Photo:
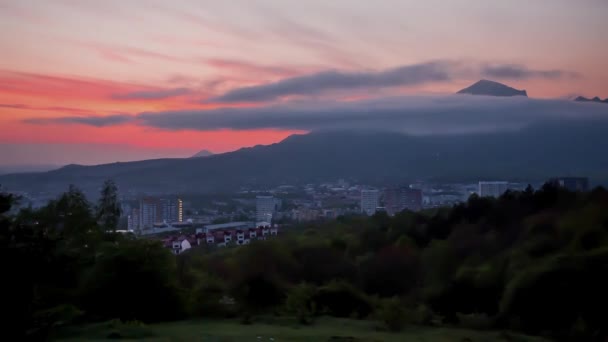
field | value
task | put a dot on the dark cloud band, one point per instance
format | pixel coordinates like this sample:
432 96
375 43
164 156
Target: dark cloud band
410 75
97 121
412 114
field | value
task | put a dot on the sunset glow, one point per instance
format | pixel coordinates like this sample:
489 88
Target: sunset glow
90 59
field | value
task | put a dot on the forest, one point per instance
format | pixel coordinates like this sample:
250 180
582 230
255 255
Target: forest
534 262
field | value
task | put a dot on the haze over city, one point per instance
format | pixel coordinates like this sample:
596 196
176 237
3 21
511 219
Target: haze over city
92 82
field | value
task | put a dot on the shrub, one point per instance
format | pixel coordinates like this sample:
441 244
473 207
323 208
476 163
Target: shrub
300 302
392 314
341 299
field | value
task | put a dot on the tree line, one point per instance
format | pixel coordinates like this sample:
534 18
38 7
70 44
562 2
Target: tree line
530 261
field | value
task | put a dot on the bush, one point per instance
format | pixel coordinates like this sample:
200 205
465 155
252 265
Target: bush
423 315
209 299
341 299
300 302
392 314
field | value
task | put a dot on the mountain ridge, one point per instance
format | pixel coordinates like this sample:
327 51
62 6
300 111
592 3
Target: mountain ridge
595 99
535 153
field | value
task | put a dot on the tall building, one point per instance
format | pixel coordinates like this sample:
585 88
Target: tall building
133 219
266 208
148 212
370 199
399 199
492 189
572 183
125 209
171 210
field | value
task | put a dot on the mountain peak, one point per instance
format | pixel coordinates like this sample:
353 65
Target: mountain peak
202 153
491 88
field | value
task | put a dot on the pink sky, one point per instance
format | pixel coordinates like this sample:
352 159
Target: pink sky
78 58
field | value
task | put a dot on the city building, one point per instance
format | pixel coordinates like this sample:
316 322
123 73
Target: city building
242 225
148 212
125 209
171 210
492 189
370 200
133 220
402 198
266 208
572 183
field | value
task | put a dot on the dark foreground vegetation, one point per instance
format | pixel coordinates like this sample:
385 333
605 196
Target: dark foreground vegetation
533 262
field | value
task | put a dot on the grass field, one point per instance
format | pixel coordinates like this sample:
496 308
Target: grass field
325 329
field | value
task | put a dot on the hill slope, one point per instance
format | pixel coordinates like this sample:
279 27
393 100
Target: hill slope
535 153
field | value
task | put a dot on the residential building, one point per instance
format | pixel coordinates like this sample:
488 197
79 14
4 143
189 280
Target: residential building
572 183
402 198
492 189
266 208
171 210
370 200
125 209
237 236
180 245
133 220
148 212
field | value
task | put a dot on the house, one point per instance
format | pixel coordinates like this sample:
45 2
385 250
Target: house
180 245
239 236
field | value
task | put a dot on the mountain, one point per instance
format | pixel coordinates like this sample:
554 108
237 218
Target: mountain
491 88
535 153
4 169
202 153
595 99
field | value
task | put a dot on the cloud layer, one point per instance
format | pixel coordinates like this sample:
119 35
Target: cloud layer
515 71
409 114
410 75
152 94
97 121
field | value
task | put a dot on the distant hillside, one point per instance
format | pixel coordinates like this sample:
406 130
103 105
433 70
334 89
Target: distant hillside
4 169
595 99
536 153
491 88
202 153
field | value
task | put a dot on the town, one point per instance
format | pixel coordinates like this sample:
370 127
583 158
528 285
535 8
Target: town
186 221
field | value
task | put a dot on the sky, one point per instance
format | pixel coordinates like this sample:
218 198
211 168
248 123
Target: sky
93 82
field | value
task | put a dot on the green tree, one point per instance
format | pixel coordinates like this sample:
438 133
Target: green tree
300 302
127 277
108 208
